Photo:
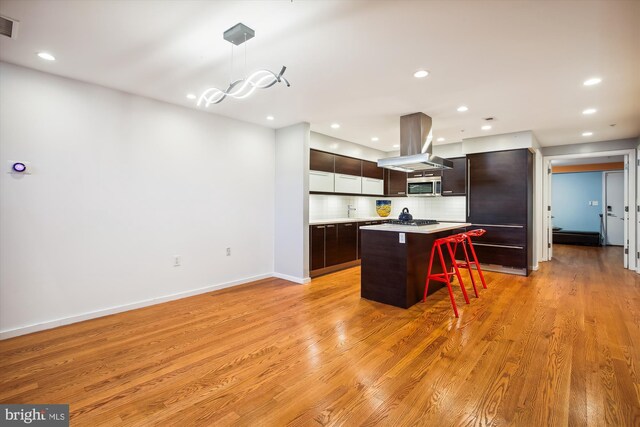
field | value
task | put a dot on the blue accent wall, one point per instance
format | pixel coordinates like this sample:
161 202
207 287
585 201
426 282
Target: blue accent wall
570 196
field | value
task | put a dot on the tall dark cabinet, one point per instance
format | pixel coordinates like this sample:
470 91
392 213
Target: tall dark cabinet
500 200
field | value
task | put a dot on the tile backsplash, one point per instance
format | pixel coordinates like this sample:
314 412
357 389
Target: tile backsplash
441 208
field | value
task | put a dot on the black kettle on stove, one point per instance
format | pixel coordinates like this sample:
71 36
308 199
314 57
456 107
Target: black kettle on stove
405 215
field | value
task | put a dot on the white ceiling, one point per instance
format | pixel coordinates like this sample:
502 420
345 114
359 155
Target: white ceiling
352 62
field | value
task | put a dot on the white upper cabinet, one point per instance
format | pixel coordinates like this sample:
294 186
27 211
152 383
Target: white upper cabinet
348 184
372 186
321 181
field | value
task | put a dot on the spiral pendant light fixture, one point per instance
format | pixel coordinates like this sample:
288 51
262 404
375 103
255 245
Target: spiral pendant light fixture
241 88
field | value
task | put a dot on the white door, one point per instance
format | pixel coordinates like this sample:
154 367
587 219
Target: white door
614 208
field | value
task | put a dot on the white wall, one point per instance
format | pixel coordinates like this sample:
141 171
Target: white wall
449 150
325 206
590 147
292 203
507 141
120 185
637 202
538 202
538 208
330 144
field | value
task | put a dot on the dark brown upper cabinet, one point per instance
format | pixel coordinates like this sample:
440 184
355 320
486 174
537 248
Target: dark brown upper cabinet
454 181
432 172
427 173
395 183
348 166
321 161
371 170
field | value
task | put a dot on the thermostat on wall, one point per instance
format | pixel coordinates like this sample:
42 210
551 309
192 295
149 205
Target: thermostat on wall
19 167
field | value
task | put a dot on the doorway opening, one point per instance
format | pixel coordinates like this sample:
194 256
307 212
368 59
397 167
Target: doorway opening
589 199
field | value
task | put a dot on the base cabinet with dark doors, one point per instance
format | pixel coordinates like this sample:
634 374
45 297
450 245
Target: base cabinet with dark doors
500 200
334 246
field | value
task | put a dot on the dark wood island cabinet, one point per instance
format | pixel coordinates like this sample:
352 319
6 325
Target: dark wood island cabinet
395 260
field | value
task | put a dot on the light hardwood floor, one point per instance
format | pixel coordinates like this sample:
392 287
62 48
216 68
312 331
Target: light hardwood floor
559 348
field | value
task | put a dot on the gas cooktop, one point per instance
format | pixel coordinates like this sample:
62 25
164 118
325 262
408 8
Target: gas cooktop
415 222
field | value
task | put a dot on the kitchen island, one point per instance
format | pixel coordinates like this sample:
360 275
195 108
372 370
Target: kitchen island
395 260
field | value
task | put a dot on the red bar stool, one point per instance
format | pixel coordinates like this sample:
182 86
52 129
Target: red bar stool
467 262
462 239
445 276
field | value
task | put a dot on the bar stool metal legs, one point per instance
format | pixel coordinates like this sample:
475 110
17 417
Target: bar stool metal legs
475 233
445 276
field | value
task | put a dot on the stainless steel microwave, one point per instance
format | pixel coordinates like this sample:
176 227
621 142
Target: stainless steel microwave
424 186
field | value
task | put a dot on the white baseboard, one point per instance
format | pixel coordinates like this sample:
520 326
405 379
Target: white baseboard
299 280
126 307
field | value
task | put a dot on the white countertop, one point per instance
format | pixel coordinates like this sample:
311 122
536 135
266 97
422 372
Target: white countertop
423 229
341 220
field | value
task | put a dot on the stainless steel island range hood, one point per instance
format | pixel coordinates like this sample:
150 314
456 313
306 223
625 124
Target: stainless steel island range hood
416 146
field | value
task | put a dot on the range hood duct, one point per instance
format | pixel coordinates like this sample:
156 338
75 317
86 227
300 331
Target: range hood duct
416 146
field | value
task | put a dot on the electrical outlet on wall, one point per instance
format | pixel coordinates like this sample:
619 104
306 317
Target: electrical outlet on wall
228 251
177 260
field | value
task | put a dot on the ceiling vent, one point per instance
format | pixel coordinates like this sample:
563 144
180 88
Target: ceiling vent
8 27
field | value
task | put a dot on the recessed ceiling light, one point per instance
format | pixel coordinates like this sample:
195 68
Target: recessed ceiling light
375 139
420 74
589 111
592 81
587 133
191 96
335 126
270 118
396 145
463 108
486 127
46 56
440 139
